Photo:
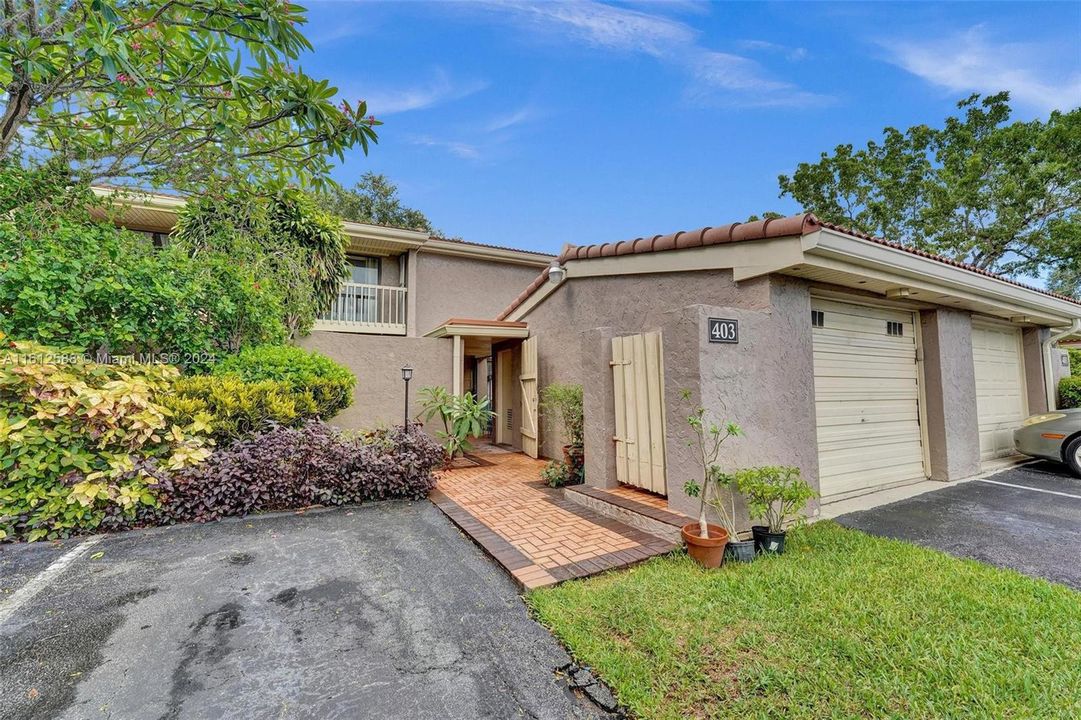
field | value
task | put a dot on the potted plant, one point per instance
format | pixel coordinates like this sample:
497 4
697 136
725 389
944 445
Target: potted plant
774 495
705 541
563 403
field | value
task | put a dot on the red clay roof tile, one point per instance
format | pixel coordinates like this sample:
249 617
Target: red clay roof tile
801 224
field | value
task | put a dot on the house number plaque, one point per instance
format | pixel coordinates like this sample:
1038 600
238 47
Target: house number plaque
722 330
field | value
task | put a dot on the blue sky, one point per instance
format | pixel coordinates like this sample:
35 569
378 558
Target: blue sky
536 124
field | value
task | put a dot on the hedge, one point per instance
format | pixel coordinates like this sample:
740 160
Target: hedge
330 384
1069 391
313 464
234 408
87 446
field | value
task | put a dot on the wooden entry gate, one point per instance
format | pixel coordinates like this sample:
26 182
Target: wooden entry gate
638 384
530 398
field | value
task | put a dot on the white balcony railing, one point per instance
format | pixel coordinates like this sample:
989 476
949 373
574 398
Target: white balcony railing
366 309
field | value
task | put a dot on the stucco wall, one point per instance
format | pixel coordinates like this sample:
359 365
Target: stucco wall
953 434
377 360
764 383
1035 384
450 286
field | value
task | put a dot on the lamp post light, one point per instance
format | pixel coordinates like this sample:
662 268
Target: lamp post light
407 375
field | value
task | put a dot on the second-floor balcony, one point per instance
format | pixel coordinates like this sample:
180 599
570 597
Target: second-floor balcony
362 308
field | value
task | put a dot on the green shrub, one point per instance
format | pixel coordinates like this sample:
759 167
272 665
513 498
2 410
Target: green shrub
774 494
330 384
1075 361
563 403
80 439
108 291
558 473
235 409
1069 391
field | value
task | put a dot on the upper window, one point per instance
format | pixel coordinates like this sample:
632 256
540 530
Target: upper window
364 270
895 329
818 318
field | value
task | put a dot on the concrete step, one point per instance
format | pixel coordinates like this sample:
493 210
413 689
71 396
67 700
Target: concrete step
638 514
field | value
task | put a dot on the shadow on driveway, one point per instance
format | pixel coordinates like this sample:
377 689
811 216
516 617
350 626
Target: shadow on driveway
1034 529
384 611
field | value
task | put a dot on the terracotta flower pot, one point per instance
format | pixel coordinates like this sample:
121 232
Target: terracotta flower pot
707 552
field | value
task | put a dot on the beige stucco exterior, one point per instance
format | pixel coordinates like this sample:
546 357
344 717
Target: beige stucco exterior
764 383
749 383
379 398
451 286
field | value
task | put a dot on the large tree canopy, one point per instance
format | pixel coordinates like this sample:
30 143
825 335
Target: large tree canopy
297 247
170 92
1003 196
374 199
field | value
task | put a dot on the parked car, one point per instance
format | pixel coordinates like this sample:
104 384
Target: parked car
1052 436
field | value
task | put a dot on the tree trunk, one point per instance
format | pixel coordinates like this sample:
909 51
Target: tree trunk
16 111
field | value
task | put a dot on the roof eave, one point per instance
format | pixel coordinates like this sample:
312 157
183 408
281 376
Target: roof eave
829 247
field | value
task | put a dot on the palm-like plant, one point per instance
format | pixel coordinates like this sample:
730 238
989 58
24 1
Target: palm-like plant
463 417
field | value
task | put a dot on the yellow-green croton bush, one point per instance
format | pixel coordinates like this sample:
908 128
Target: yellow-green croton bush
80 439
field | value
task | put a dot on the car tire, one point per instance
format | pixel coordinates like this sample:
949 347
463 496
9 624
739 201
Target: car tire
1072 455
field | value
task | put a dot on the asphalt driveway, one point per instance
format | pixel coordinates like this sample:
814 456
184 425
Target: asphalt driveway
1026 518
380 612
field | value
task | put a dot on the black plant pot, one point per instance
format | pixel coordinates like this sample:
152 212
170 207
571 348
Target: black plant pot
740 551
772 543
757 531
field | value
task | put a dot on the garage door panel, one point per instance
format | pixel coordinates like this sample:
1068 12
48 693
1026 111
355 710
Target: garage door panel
856 481
884 425
866 398
861 344
1001 404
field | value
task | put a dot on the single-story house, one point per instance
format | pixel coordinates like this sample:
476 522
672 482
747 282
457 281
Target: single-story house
866 364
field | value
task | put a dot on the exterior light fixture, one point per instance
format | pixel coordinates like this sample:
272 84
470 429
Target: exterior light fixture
898 293
407 375
1020 319
556 273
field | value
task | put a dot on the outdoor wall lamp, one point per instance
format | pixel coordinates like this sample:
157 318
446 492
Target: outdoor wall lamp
407 375
556 273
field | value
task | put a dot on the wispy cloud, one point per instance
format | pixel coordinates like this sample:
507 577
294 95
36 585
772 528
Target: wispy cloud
713 75
603 25
440 89
970 60
511 119
787 51
462 150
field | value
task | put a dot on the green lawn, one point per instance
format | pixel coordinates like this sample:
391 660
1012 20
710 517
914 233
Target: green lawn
844 625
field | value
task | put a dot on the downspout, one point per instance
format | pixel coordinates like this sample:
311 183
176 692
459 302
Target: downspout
1048 371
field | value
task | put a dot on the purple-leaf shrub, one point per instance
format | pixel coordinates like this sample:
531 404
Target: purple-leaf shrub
313 464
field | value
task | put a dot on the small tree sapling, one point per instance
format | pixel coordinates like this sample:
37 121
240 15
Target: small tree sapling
708 438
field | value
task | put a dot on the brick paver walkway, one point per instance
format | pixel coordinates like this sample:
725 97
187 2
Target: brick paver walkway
537 535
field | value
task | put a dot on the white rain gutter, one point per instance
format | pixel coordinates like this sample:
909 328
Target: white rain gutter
1048 371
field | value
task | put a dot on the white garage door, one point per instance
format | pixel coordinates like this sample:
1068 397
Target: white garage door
1000 395
866 398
